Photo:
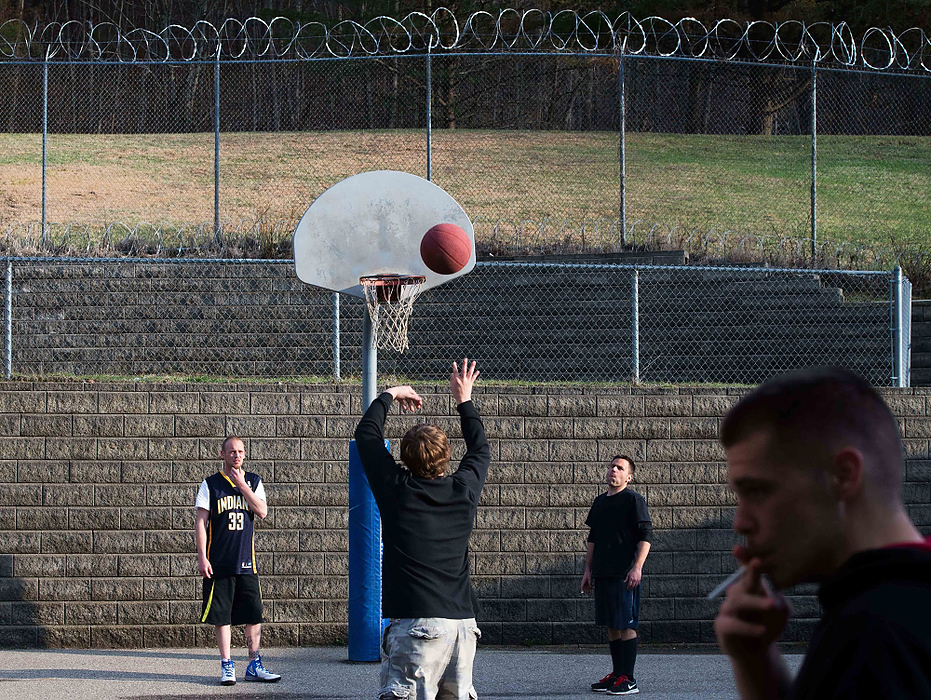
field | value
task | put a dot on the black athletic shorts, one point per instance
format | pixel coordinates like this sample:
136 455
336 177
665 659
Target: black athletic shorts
232 600
615 606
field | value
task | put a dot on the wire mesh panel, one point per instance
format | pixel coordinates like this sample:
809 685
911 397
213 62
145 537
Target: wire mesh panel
21 144
718 154
134 143
525 322
216 318
571 323
718 147
747 326
529 146
291 129
874 130
534 322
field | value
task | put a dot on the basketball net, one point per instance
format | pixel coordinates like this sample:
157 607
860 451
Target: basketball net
390 301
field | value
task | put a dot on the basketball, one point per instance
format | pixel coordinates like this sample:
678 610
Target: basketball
446 248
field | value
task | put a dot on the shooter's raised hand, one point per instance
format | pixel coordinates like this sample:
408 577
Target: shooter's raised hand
461 380
407 398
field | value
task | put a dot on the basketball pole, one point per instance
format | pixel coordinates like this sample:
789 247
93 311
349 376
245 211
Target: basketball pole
365 616
369 361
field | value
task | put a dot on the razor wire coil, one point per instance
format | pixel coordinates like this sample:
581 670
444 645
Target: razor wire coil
507 31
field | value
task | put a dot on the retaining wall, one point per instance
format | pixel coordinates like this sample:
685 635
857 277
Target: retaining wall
223 318
98 479
921 342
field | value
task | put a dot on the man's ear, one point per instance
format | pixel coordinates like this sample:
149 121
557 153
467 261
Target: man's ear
847 473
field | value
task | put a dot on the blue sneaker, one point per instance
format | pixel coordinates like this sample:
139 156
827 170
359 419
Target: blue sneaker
227 673
257 672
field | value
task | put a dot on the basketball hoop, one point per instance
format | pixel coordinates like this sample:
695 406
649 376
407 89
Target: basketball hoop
390 300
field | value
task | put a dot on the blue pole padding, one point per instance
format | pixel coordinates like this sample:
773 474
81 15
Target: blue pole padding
365 618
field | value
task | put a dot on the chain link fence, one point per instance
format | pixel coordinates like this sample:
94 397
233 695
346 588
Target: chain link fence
523 321
780 144
592 135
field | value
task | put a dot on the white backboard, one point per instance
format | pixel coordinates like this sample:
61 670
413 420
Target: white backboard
372 223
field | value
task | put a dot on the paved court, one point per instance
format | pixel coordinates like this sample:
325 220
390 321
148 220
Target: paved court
561 673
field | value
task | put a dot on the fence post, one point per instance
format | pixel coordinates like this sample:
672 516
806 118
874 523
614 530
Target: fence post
814 162
216 148
9 319
44 150
899 341
336 337
623 148
429 112
635 324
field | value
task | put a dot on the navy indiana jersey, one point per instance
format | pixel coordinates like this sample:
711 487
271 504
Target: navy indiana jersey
230 531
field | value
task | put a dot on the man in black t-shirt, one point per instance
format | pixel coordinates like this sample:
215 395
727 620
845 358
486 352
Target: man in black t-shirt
618 543
427 516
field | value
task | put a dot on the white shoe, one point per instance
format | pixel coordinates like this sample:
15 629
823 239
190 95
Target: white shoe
255 671
227 673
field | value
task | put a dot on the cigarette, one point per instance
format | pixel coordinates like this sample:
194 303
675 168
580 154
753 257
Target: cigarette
726 583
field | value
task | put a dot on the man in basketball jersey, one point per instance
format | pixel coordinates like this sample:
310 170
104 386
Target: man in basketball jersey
227 504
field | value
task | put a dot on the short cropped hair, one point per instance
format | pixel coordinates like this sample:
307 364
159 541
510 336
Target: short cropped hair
425 451
633 465
227 440
811 413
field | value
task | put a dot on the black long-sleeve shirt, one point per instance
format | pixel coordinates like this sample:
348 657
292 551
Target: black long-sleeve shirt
426 523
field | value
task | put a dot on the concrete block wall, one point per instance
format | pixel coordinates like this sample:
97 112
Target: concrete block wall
97 484
88 318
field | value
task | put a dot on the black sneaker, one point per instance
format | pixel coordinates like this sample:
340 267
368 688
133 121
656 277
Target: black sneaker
605 683
624 686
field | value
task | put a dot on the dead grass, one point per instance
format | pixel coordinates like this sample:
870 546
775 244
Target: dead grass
169 178
527 190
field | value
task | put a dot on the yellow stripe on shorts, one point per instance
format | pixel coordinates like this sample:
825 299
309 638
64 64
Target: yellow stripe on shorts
209 601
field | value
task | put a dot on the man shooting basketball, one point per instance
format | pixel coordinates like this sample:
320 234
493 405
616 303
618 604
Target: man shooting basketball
427 516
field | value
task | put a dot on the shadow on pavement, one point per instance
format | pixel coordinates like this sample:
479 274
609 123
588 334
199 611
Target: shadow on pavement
87 674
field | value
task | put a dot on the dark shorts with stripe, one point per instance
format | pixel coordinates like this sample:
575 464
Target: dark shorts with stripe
232 600
615 606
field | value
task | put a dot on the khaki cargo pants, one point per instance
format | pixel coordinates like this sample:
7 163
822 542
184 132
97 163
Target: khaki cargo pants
428 658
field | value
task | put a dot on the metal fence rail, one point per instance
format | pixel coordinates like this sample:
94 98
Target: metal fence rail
525 321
